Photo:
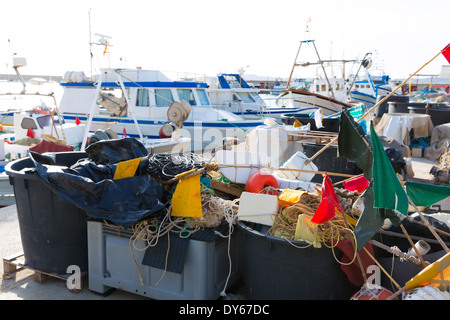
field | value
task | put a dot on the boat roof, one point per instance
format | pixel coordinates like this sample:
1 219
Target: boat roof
135 78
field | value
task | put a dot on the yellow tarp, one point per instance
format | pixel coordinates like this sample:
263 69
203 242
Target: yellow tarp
186 200
307 231
126 169
290 196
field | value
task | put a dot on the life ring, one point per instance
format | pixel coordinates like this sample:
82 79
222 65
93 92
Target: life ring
260 180
42 111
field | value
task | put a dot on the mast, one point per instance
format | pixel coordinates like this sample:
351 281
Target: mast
90 41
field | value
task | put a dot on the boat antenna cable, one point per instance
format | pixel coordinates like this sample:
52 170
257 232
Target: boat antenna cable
364 63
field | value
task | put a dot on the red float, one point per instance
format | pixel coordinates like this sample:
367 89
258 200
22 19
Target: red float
260 180
377 293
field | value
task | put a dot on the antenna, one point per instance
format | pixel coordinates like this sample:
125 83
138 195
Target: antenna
103 39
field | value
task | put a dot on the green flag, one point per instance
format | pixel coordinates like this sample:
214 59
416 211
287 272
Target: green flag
388 191
353 145
424 194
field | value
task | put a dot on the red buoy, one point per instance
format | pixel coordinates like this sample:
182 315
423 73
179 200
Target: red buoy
260 180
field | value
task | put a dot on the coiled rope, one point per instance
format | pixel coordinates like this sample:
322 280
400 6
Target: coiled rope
330 233
165 166
214 210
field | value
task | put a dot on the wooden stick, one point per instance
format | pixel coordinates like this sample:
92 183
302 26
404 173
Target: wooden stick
289 169
342 181
413 246
425 221
374 107
382 269
363 272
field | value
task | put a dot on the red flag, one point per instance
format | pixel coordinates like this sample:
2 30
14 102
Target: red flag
106 48
30 133
77 121
358 183
446 52
124 133
328 204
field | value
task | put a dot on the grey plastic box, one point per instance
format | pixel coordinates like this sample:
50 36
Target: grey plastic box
204 274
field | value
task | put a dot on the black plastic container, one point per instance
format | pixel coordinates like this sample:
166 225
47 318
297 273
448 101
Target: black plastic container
439 113
53 232
384 106
273 269
329 124
329 161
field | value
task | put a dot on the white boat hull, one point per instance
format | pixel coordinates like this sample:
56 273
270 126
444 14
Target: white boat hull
309 103
203 135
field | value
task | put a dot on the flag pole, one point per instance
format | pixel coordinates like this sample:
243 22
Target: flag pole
375 106
425 221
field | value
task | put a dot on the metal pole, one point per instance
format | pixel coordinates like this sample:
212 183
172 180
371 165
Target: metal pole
92 110
293 67
323 68
129 106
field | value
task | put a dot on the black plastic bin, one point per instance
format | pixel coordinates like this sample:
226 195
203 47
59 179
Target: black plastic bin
329 161
273 269
329 124
439 113
384 106
53 232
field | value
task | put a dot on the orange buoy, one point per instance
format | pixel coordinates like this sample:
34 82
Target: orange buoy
260 180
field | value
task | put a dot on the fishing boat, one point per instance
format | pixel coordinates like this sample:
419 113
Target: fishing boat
320 93
366 89
146 104
235 95
309 102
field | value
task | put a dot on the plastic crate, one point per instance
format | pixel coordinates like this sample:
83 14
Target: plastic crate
203 277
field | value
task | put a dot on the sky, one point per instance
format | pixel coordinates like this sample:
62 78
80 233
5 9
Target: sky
207 37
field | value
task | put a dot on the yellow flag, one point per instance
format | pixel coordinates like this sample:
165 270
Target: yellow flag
186 200
435 271
126 169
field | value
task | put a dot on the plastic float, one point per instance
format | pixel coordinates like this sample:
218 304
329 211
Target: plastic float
238 166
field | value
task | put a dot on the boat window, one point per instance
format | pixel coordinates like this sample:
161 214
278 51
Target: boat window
28 123
187 95
44 121
323 87
317 88
337 86
163 97
203 97
246 97
257 98
142 98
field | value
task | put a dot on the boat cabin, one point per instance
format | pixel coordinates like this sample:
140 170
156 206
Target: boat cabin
149 92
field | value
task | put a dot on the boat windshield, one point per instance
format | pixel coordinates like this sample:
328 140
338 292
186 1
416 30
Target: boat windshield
246 97
187 95
204 101
163 97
